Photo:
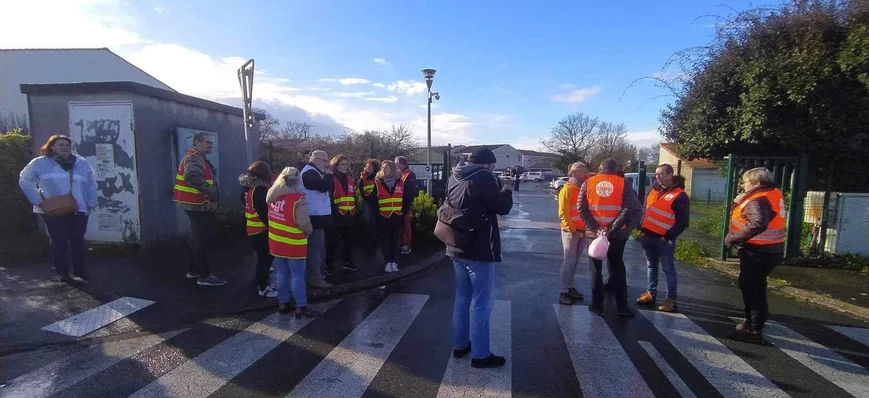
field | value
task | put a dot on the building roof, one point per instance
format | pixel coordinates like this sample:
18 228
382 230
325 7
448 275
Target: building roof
536 153
541 166
130 87
699 163
473 148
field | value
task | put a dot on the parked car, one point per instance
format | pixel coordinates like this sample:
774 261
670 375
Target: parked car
633 179
558 182
532 176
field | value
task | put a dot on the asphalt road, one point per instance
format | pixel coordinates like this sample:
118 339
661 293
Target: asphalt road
395 341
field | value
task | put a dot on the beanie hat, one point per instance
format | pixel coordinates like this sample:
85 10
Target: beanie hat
483 156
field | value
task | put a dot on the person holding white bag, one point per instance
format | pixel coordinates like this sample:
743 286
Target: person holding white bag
610 208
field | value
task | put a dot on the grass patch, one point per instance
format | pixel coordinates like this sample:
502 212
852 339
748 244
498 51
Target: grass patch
690 251
851 262
780 282
708 218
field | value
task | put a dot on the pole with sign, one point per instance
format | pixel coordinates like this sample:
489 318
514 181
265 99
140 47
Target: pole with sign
245 80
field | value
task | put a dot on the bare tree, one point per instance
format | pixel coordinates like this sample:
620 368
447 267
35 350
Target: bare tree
574 136
298 130
611 138
649 154
268 127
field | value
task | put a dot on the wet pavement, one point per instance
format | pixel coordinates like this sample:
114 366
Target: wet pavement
395 341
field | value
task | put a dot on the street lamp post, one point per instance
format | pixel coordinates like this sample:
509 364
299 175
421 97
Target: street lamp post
428 74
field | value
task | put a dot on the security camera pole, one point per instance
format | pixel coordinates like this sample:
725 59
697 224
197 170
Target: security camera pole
428 74
245 80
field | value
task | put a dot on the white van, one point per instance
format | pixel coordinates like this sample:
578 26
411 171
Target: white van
532 176
633 179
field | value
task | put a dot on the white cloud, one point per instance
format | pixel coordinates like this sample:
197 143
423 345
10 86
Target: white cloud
386 100
644 137
576 95
346 81
528 143
379 85
67 24
445 128
380 61
357 94
410 87
161 10
494 120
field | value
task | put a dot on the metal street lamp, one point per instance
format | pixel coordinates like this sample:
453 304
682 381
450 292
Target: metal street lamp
428 74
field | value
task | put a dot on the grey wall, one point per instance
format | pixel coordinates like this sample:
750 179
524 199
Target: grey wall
161 220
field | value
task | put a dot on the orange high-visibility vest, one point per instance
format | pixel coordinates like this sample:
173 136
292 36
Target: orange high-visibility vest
604 193
571 193
286 239
404 175
367 185
186 193
659 216
345 201
775 230
254 223
389 203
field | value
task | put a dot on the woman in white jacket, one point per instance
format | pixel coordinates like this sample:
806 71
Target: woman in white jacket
60 172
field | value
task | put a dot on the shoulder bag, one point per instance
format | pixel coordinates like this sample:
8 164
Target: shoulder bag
61 205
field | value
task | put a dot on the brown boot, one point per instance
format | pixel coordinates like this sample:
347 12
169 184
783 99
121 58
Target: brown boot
646 298
668 306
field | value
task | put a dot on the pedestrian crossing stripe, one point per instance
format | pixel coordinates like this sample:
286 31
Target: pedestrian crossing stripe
857 334
600 363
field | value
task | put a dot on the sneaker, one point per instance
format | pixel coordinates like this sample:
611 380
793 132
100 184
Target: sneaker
743 325
565 299
462 352
572 292
668 306
646 298
192 275
493 361
211 280
321 284
394 267
350 267
627 313
269 291
405 249
749 335
388 267
79 277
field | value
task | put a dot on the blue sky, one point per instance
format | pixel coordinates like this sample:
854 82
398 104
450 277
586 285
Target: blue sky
507 71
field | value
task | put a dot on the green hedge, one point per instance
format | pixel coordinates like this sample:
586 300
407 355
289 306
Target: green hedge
16 210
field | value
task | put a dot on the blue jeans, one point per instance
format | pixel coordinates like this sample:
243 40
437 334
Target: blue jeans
291 271
475 283
659 251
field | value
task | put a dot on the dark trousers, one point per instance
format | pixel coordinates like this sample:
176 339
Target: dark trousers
617 278
754 267
203 225
343 233
388 232
66 234
260 244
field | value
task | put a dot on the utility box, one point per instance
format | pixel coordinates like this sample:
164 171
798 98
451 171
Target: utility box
848 228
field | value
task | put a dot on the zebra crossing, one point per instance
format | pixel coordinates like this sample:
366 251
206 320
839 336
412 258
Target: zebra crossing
399 345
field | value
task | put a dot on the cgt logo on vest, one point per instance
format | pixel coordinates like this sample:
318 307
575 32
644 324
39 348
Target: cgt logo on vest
604 189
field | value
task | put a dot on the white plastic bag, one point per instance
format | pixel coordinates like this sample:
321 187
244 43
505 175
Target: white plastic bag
599 247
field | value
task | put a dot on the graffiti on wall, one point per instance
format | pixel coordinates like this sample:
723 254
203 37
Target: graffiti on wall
102 133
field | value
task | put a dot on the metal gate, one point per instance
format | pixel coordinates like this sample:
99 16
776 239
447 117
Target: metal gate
789 173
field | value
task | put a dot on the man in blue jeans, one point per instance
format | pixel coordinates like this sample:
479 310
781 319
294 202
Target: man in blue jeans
468 225
664 219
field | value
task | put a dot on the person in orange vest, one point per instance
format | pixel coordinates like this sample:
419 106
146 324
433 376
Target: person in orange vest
572 232
344 213
369 203
408 179
757 228
288 231
256 182
196 190
665 218
610 207
389 193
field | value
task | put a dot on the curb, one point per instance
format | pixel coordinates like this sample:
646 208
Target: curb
728 269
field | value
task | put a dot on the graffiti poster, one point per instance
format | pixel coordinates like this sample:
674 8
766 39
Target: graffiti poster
102 133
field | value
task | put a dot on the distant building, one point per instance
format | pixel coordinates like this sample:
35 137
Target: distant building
506 155
51 66
538 161
703 179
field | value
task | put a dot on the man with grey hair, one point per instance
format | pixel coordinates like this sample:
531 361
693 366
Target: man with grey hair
610 207
572 231
408 177
317 182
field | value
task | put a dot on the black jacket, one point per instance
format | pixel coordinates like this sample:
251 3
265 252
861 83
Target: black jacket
410 192
367 178
474 200
681 208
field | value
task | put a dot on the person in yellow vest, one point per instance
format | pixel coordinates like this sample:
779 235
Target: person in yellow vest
389 192
369 203
197 192
256 182
757 228
343 212
610 207
288 230
572 232
665 218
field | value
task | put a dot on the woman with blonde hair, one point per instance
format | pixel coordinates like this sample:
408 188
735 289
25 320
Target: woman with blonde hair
289 228
388 193
757 227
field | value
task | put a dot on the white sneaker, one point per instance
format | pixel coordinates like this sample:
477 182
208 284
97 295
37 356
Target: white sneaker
269 291
388 267
394 267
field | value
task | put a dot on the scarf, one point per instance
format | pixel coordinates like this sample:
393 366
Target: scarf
66 163
390 182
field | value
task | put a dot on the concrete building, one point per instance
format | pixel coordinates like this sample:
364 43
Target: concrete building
46 66
703 179
133 135
538 161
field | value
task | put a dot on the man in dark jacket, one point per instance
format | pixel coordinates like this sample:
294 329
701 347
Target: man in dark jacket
468 224
317 182
410 192
618 231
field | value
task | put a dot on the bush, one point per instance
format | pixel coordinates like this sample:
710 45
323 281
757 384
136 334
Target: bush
689 251
424 212
16 210
231 221
851 262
